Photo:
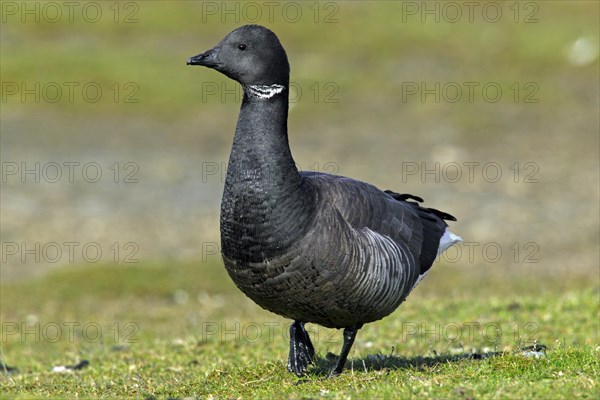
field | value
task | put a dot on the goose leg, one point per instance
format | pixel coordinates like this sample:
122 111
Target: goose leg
301 349
349 336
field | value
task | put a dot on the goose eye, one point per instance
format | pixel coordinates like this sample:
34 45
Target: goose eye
242 46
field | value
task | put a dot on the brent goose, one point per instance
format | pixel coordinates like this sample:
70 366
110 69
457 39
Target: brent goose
309 246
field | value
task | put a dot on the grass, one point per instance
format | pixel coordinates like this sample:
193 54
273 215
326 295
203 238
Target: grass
184 330
157 45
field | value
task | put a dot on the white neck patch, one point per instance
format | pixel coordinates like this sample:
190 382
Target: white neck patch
264 91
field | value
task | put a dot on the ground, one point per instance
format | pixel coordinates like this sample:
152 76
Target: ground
159 333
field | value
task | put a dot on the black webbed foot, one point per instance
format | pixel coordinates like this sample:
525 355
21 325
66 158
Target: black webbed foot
302 351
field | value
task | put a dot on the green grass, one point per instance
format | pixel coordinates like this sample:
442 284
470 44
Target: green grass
184 330
154 49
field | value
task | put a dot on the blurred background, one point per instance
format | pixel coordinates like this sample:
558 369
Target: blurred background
114 151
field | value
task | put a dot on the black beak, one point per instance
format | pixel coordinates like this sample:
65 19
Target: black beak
207 59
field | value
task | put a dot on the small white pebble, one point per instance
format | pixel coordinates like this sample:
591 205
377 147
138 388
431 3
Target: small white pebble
181 296
582 51
534 354
31 319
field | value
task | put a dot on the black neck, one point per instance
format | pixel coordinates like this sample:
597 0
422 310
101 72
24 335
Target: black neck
260 145
265 198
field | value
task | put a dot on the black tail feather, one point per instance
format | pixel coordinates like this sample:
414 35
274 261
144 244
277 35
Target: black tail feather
434 226
405 197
